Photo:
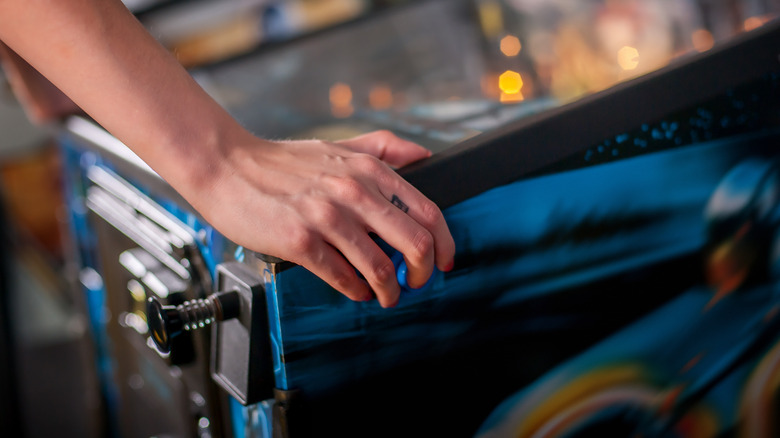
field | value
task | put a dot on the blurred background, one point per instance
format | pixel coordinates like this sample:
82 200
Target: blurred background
441 59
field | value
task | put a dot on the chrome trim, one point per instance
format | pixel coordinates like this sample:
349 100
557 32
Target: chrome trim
94 134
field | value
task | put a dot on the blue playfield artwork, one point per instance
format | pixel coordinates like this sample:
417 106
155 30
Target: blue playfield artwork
630 290
646 285
634 296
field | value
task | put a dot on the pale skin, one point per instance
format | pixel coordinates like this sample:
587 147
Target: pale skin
310 202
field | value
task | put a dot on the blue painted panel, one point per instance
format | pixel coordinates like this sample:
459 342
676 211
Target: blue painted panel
588 284
517 244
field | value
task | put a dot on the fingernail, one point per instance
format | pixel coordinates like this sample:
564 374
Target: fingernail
393 304
450 267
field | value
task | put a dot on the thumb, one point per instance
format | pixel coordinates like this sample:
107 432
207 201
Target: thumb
387 147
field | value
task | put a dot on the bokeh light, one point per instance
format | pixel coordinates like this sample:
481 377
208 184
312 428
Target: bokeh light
380 97
491 18
628 58
510 45
753 23
510 82
341 100
702 40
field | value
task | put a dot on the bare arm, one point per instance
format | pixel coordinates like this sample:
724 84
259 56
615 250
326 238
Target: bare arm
311 202
42 101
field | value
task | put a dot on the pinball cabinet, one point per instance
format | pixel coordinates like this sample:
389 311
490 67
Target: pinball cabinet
614 216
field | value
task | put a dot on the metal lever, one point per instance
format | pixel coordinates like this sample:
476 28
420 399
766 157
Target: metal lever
166 322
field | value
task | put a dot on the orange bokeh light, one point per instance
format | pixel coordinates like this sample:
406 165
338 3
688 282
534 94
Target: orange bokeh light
702 40
341 100
340 94
753 23
380 97
510 45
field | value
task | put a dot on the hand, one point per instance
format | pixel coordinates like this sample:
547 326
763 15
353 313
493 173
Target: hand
314 203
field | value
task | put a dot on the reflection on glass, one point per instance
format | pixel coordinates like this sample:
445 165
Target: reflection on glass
405 66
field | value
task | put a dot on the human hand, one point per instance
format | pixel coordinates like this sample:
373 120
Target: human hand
314 203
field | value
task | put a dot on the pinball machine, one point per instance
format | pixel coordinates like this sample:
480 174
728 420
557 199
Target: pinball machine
615 217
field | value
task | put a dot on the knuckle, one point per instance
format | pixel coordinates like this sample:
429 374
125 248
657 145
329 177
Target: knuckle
430 214
384 272
422 246
343 279
369 164
302 241
325 215
386 134
351 190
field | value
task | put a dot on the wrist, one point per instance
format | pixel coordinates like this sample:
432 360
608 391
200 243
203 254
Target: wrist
195 160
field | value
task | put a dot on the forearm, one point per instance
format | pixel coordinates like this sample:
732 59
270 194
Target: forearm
42 101
101 56
311 202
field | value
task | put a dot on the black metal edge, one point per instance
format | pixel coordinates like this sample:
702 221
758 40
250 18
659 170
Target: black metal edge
519 149
225 384
263 380
268 258
216 376
260 343
289 415
10 394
